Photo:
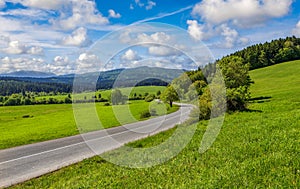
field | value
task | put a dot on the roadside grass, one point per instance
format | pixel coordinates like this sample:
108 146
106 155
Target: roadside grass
255 149
21 125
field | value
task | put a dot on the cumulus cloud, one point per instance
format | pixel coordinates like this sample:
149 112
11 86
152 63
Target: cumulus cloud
113 14
16 47
45 4
231 36
77 38
88 63
83 12
61 65
2 3
296 30
130 55
157 37
195 30
244 13
148 6
162 51
35 50
8 64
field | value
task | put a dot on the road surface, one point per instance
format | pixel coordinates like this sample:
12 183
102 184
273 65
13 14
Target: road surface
25 162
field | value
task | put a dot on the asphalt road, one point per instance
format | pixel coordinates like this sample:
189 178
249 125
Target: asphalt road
25 162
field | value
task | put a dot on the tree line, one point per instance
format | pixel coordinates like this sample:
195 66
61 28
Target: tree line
270 53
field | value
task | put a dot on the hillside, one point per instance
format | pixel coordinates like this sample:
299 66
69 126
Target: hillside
255 149
141 76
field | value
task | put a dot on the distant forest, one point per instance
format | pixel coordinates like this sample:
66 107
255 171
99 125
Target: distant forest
270 53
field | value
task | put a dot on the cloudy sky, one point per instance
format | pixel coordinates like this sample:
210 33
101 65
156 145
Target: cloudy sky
56 35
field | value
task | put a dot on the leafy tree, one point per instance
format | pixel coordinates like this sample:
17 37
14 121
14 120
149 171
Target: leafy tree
150 98
237 81
158 93
169 95
68 100
117 97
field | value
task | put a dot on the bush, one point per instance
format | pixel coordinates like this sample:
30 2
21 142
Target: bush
107 104
149 98
153 112
68 100
145 114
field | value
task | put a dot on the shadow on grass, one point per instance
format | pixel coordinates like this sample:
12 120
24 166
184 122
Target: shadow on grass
251 111
261 99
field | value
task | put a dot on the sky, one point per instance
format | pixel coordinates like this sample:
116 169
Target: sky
57 35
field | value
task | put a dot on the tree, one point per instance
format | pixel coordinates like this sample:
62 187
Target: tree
117 97
169 95
237 81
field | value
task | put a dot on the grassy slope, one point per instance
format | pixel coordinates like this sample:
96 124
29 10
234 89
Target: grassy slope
55 121
254 149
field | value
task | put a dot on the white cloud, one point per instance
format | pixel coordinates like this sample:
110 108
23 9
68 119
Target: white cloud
82 13
131 7
88 63
231 36
244 13
2 3
61 60
77 38
162 51
16 47
32 13
139 3
296 30
44 4
157 37
61 65
113 14
130 55
35 50
150 5
195 30
8 64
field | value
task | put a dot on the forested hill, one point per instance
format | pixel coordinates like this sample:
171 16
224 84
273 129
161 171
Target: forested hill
270 53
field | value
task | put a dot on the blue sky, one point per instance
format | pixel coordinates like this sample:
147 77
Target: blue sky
56 35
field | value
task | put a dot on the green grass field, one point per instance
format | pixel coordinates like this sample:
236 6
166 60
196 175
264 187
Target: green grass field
255 149
21 125
106 93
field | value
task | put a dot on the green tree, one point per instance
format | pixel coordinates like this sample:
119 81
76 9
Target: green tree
169 95
117 97
237 81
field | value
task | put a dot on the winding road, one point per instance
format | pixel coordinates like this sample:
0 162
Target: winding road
25 162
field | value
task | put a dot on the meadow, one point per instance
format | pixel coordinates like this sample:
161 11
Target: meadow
106 93
258 148
21 125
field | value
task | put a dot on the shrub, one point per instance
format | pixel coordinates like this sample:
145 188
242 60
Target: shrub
145 114
149 98
153 112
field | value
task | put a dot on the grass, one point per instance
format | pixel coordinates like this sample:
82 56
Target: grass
21 125
255 149
106 93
